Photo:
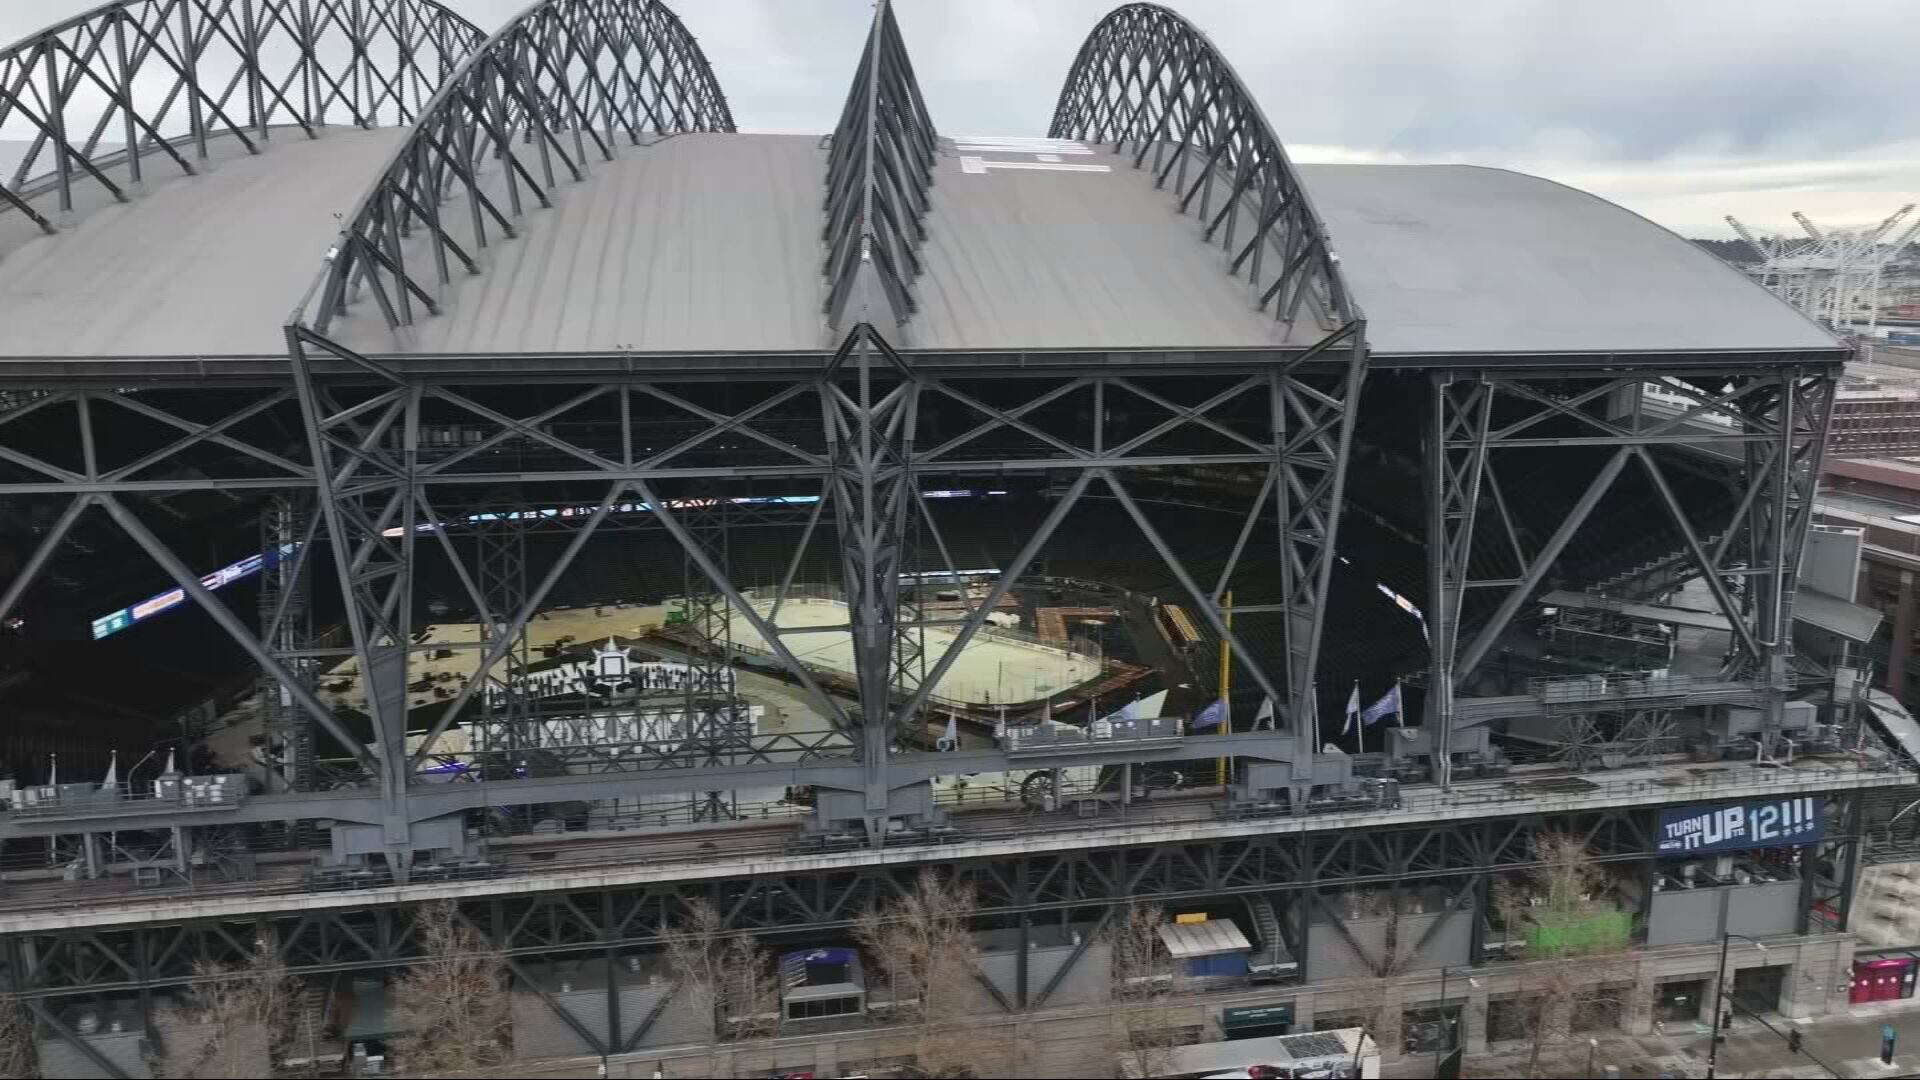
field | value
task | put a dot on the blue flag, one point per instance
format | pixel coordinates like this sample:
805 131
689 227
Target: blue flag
1388 705
1210 716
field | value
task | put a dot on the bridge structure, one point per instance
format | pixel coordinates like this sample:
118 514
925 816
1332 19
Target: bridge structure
423 300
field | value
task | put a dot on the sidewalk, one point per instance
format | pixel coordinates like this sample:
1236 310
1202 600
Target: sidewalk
1850 1044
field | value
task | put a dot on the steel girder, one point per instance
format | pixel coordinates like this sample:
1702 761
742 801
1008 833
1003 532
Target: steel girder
878 176
1295 868
176 74
565 81
395 491
1150 84
1771 423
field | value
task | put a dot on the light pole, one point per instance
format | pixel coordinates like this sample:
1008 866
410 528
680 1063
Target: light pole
1720 1010
1448 1031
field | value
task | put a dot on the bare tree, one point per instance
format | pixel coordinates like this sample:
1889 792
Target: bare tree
749 995
727 978
1578 970
923 944
232 1018
1144 980
452 1004
694 952
17 1057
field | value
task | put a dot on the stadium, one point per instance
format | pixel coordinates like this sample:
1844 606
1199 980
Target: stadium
444 465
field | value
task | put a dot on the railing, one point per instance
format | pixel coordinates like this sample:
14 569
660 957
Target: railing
1099 734
89 800
1600 687
701 851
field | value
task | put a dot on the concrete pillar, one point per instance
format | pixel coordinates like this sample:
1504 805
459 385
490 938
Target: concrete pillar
1640 1011
1901 647
1473 1020
1303 1013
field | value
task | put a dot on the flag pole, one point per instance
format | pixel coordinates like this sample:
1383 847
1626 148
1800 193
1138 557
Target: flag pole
1226 678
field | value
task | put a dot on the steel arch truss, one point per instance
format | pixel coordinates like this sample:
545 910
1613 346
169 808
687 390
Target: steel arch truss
878 177
1150 84
563 84
148 83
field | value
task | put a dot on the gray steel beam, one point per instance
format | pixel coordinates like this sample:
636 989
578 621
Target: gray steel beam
1542 562
189 582
436 800
30 571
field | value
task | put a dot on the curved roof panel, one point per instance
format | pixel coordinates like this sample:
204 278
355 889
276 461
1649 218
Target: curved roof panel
1457 260
202 265
695 243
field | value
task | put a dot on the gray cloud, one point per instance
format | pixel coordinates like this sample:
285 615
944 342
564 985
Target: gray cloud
1633 90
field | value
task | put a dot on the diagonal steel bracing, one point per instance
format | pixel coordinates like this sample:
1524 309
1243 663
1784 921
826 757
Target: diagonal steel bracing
1765 426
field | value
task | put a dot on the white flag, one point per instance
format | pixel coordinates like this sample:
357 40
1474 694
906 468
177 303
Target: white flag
1263 720
113 772
1353 710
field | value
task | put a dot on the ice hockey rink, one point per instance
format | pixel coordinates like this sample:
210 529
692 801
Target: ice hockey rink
995 668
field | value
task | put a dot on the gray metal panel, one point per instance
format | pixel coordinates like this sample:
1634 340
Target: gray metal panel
679 1024
696 243
1446 948
1330 956
538 1032
1683 916
1090 979
196 266
1020 259
1451 259
1763 910
1855 622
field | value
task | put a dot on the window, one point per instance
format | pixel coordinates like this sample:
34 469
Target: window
819 1008
1506 1019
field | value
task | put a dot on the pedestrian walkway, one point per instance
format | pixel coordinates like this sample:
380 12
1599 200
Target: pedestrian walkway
1845 1046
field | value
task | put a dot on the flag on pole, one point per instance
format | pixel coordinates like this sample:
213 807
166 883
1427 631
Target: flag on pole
1388 705
1211 715
53 770
113 772
1125 712
952 739
1353 710
1263 720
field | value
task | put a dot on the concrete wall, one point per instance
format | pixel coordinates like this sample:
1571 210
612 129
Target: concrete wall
1331 956
1089 980
1078 1040
539 1032
61 1060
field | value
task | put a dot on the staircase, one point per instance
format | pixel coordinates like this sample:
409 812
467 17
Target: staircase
1271 958
1656 576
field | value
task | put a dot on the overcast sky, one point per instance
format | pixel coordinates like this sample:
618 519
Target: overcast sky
1684 110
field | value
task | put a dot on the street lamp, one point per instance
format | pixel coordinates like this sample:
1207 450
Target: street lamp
1720 1011
1447 1032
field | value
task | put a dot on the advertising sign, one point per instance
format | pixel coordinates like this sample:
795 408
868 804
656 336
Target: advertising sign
1691 830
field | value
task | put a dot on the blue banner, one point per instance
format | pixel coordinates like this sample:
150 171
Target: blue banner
1699 830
